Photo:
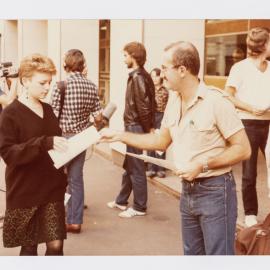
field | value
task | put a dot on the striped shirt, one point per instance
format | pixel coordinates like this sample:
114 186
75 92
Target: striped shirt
81 101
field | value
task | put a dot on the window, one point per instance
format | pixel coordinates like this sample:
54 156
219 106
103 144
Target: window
222 52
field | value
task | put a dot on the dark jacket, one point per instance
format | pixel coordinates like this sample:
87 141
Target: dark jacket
140 100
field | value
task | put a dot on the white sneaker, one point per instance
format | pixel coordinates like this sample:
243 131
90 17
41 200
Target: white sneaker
130 212
113 204
250 220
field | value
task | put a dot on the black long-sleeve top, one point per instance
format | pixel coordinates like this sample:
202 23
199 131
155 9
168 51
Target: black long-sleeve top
25 138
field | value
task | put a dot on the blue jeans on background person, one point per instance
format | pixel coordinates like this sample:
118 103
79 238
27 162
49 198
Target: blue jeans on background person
257 132
209 213
76 189
134 178
150 166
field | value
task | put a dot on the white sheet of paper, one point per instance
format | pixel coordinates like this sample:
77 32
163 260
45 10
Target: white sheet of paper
67 197
76 145
160 162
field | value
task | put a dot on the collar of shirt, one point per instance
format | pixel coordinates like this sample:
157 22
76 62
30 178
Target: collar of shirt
74 74
137 70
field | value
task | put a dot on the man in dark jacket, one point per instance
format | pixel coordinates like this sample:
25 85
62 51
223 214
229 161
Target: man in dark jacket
138 118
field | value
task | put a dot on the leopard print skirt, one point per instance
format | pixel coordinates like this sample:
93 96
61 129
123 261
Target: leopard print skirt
31 226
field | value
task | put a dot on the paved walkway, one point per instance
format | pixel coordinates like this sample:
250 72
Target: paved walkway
104 233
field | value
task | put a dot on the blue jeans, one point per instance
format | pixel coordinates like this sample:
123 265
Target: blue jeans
150 166
134 178
257 132
76 189
209 212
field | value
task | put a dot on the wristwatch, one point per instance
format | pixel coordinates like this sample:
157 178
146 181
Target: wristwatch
205 167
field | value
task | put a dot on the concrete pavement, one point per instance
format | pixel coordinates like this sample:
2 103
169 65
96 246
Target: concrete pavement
104 233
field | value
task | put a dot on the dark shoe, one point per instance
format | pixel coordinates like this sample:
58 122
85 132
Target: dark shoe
161 174
150 173
73 228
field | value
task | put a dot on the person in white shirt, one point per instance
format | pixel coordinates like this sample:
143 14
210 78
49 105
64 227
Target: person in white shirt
249 87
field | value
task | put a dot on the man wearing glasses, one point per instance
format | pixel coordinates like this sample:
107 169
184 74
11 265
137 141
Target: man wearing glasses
208 138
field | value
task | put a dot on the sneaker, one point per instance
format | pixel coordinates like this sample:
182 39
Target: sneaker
113 204
150 173
161 174
130 212
250 220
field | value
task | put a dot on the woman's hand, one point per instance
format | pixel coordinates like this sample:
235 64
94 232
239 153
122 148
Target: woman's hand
60 144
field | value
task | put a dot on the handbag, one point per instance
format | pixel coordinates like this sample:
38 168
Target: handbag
254 240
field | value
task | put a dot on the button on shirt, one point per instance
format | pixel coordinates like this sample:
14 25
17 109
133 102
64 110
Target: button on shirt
202 132
81 100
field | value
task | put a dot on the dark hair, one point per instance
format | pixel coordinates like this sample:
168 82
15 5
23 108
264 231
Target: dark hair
35 63
257 38
137 51
185 54
74 61
158 72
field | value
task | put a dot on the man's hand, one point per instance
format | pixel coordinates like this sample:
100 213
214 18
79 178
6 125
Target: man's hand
60 144
190 172
109 135
258 111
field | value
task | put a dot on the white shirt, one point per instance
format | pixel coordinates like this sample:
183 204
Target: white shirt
252 87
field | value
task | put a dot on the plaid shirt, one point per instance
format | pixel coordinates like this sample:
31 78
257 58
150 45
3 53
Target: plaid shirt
81 100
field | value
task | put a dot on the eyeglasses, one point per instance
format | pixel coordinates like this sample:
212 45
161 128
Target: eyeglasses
164 68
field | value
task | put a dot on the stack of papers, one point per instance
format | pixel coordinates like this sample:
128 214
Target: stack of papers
76 145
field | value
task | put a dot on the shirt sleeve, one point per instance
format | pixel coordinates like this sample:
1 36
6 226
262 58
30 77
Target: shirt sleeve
143 103
234 78
55 100
15 153
226 117
96 107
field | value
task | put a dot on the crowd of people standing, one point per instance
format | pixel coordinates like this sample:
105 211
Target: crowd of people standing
209 130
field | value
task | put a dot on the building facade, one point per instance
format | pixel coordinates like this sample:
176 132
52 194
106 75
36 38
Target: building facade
220 44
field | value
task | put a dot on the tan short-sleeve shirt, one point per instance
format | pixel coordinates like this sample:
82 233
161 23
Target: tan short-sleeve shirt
202 132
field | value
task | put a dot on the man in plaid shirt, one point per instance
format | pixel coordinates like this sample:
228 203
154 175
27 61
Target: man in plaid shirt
81 101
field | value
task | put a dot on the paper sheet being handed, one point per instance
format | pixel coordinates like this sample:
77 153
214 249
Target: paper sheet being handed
160 162
76 145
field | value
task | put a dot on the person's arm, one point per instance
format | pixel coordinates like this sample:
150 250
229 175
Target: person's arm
240 104
237 144
11 94
142 102
14 153
150 141
238 150
55 100
96 109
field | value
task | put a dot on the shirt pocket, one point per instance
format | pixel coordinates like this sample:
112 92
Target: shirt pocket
202 133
